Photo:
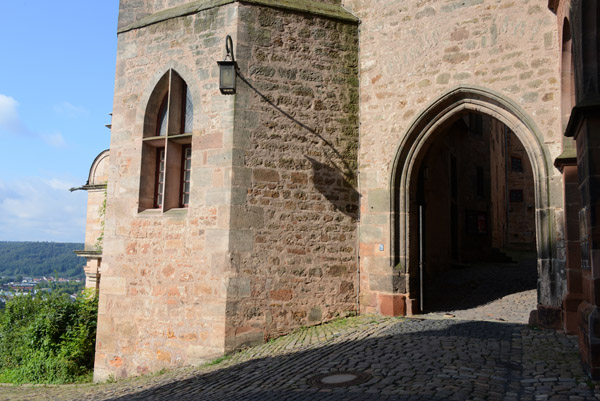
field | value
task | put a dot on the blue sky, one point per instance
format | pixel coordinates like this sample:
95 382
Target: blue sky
56 90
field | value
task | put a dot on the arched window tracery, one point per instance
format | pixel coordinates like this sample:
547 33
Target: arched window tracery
167 145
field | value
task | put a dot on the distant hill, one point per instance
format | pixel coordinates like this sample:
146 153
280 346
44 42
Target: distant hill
40 259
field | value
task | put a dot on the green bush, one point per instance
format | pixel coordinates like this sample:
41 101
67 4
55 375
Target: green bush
48 338
69 287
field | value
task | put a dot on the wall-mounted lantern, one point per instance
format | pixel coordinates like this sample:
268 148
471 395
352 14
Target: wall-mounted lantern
227 69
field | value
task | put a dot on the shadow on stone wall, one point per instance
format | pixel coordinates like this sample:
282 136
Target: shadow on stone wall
332 184
333 180
347 170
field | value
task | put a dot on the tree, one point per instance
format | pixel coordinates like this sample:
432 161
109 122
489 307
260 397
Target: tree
48 338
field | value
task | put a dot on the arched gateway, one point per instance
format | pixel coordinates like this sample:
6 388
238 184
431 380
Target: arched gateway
434 120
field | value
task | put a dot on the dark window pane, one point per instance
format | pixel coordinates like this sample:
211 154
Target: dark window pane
516 195
516 164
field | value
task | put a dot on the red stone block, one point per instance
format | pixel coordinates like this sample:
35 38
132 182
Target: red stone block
281 295
392 304
549 317
163 356
116 362
211 141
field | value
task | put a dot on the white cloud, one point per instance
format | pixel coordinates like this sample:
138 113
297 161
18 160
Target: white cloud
70 110
55 140
61 185
9 116
38 209
11 123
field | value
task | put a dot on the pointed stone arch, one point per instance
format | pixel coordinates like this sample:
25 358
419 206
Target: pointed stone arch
412 149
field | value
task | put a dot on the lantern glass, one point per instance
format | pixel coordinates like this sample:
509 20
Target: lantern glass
227 77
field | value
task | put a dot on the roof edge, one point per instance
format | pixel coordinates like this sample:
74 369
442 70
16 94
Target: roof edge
333 11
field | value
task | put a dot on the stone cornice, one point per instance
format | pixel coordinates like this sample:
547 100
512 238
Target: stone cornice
579 113
94 187
567 158
90 187
333 11
89 254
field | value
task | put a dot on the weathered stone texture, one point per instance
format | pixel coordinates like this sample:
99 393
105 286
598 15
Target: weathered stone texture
296 120
412 53
95 187
93 224
132 11
165 274
268 242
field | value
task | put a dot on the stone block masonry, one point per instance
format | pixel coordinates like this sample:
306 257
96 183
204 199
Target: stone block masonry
412 54
297 124
268 241
166 272
280 172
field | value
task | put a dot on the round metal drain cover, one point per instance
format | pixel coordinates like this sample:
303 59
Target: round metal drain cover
339 379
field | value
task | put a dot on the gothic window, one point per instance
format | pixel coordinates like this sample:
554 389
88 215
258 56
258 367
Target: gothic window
516 164
166 145
516 195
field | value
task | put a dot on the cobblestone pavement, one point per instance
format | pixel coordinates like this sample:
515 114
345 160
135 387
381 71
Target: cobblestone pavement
490 291
407 359
514 308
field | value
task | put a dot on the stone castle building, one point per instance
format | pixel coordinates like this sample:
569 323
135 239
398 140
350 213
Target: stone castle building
364 138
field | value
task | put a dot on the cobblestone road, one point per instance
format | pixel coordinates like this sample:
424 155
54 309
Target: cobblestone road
407 359
488 291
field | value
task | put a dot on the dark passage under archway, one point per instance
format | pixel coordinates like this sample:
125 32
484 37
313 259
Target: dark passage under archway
475 188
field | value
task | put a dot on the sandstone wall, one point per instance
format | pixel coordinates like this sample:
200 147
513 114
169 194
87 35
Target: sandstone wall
131 11
93 226
268 242
296 122
165 274
411 53
96 194
521 220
